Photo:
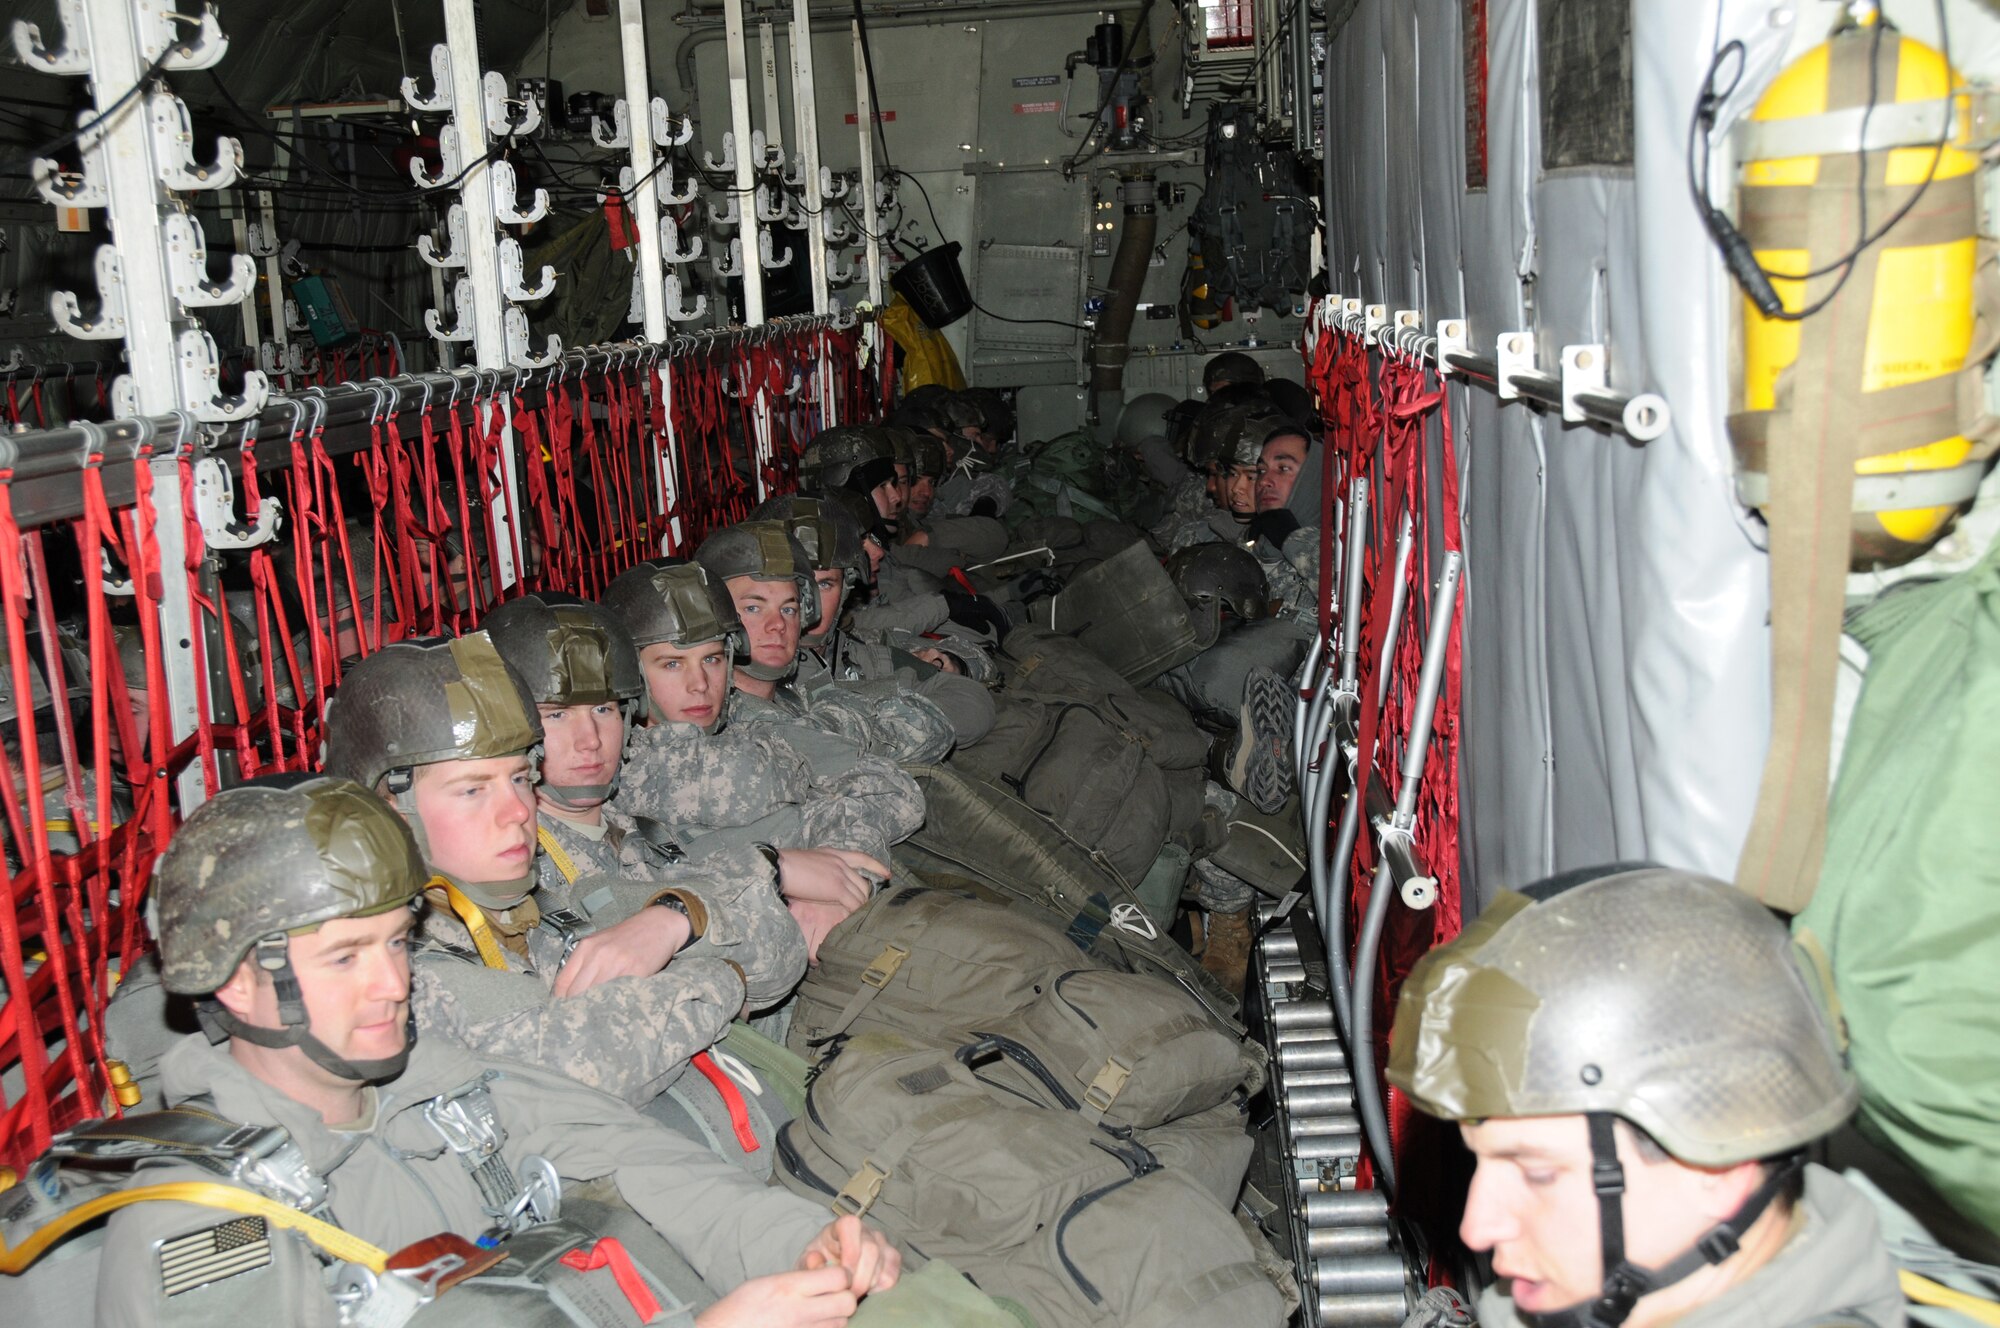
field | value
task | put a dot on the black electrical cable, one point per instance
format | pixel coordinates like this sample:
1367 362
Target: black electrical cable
1737 256
1052 322
874 97
61 141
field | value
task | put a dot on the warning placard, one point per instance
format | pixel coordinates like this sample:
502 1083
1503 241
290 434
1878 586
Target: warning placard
1037 107
881 117
1037 81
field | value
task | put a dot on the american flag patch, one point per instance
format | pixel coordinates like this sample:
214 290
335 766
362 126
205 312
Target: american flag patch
201 1257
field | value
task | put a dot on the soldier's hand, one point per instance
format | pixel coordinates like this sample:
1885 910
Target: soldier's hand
920 539
804 1299
938 659
638 947
815 920
871 1261
828 875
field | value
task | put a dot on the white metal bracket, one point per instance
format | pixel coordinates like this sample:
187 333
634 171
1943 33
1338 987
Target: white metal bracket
72 57
201 382
832 188
507 197
1583 370
187 266
215 507
674 248
294 320
454 230
621 127
439 102
1513 352
666 192
113 583
1350 315
63 188
449 162
124 397
1406 328
257 243
836 273
461 330
729 214
108 323
728 162
669 130
513 274
765 210
500 121
1453 339
832 230
1374 318
765 156
678 311
173 148
515 324
726 260
161 28
767 252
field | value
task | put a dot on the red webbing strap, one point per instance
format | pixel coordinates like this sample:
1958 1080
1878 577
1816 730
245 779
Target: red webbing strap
536 459
477 570
490 439
19 1021
376 468
608 1252
732 1100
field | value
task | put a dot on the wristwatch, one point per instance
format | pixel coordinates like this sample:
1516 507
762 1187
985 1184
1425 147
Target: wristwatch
770 853
678 905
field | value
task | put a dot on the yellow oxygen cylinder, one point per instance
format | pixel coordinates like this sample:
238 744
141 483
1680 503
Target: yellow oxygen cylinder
1914 361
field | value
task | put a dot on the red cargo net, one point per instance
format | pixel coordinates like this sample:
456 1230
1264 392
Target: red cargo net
1388 423
397 527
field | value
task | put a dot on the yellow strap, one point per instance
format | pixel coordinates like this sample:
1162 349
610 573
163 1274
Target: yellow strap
207 1194
475 922
556 855
1926 1292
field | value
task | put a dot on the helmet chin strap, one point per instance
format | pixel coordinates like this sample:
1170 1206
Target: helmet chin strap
1625 1283
273 955
578 797
498 896
768 672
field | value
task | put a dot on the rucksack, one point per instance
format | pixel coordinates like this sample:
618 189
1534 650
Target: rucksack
977 830
1080 1224
929 964
1039 660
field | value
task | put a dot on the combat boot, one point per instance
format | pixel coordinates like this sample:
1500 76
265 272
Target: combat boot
1226 955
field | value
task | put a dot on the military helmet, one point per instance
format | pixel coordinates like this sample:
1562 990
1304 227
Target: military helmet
827 530
766 551
1214 577
680 604
1232 366
902 444
924 417
1144 417
932 457
417 703
1663 997
983 408
834 455
1208 440
569 653
260 861
1246 444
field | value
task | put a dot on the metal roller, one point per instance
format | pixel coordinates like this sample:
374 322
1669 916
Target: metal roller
1312 1054
1343 1242
1297 1015
1280 944
1339 1122
1320 1100
1284 970
1361 1275
1346 1208
1362 1311
1328 1147
1328 1078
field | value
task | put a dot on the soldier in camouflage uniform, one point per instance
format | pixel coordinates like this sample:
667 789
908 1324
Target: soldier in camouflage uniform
770 578
285 912
584 672
832 657
613 984
710 785
1195 513
1285 532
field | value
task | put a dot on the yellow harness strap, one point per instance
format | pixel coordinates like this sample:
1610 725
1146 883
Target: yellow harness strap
475 922
1924 1291
564 863
330 1238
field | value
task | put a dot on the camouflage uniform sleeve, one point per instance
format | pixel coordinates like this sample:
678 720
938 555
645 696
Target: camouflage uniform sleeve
1293 573
864 803
912 613
884 717
698 784
937 559
629 1037
744 919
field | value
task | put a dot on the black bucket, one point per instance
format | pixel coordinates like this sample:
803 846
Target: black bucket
934 286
